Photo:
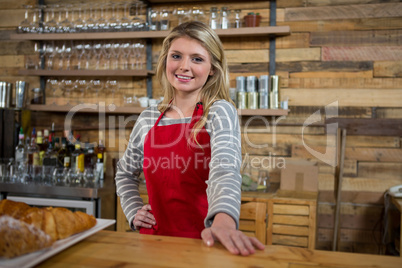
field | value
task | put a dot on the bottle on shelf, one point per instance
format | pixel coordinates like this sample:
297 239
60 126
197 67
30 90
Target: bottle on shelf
101 149
20 150
34 167
45 139
77 165
51 157
90 159
64 155
41 145
99 168
77 157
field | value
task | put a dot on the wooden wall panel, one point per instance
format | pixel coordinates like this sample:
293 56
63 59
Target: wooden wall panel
344 12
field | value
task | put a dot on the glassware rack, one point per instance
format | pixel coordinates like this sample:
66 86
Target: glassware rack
271 32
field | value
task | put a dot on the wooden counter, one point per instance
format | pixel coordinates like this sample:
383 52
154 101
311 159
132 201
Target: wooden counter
277 217
119 249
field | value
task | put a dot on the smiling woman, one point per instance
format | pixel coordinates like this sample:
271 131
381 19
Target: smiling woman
174 144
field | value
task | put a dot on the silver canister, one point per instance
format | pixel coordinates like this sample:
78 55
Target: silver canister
5 94
263 89
274 94
252 83
252 100
241 94
21 89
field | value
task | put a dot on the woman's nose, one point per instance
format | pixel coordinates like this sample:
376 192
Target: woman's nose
184 65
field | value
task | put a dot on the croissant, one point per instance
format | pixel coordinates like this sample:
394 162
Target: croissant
57 223
18 238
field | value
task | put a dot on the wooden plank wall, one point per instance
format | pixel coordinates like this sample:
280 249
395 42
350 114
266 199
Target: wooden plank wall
344 51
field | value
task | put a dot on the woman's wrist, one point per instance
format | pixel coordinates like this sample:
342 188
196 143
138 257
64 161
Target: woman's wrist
222 219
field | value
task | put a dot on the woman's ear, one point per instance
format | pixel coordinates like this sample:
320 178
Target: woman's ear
211 72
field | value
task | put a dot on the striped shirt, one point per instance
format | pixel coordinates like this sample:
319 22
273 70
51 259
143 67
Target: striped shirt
224 182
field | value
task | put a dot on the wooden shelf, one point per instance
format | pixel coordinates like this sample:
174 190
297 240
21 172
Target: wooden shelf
137 110
262 112
141 73
245 31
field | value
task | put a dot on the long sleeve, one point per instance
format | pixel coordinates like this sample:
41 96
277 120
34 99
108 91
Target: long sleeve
130 165
224 183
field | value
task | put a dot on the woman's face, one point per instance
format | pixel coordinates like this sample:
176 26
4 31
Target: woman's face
188 65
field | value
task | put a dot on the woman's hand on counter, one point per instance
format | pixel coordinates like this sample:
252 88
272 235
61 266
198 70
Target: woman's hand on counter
236 242
144 218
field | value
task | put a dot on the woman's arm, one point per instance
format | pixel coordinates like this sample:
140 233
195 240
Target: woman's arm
224 183
129 167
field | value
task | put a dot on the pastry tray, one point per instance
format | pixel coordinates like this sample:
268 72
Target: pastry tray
32 259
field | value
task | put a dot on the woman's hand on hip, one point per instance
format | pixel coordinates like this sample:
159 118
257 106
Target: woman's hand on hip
236 242
144 218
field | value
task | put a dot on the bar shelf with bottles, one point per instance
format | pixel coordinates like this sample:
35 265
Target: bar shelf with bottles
46 159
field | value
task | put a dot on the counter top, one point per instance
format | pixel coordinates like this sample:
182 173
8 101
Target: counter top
91 192
118 249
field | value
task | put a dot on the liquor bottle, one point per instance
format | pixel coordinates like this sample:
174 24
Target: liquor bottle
34 167
39 142
77 163
20 150
90 159
45 139
101 149
64 155
99 168
51 157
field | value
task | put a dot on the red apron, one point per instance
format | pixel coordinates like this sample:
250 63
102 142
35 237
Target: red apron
176 170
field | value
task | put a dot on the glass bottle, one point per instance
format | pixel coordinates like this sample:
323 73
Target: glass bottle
101 149
237 19
224 20
213 18
77 165
90 159
20 150
64 155
34 167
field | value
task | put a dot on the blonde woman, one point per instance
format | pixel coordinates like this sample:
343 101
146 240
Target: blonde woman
188 148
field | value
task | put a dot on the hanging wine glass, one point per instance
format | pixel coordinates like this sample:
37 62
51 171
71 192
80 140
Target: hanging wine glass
79 49
79 92
126 23
68 52
37 21
95 88
67 86
50 25
25 25
112 85
115 49
88 52
125 49
106 51
53 84
90 21
139 24
49 50
78 22
101 23
66 24
60 19
97 51
113 22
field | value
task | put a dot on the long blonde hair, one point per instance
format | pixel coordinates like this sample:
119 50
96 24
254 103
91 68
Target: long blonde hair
216 86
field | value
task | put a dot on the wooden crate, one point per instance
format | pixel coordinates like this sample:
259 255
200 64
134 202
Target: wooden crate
253 219
292 219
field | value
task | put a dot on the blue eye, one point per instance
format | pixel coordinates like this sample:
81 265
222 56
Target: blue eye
198 59
175 56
